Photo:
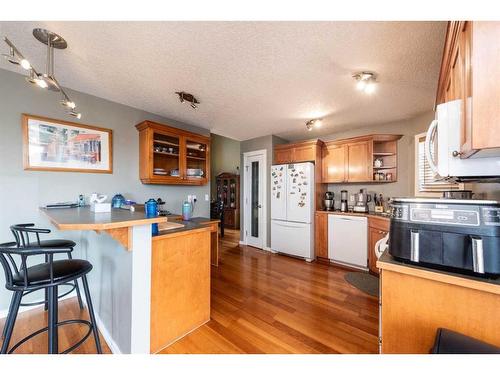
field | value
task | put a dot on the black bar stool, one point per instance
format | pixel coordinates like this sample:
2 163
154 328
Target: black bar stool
49 276
22 234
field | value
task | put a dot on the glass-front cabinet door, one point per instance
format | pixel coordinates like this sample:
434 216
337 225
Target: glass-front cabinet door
197 157
167 153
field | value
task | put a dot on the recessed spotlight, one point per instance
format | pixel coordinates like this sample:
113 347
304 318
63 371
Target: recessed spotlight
365 81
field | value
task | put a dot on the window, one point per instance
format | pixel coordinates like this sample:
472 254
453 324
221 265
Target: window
425 182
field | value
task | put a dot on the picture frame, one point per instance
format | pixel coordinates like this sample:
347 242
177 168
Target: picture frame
63 146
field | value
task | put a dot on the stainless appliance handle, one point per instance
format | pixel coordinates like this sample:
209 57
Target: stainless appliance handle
414 249
427 146
477 255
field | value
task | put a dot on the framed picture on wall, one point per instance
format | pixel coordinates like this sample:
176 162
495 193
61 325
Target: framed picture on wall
56 145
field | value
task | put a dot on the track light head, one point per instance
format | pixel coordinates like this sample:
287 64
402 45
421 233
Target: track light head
73 113
186 97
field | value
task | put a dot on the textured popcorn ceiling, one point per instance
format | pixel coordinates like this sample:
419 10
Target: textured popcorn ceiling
252 78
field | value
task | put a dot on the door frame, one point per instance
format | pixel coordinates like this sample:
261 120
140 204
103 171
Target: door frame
246 196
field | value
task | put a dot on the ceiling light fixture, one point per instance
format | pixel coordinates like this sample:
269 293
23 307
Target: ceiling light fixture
46 80
187 97
366 82
314 123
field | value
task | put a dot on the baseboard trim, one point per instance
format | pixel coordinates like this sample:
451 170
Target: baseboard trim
113 346
242 243
184 335
267 248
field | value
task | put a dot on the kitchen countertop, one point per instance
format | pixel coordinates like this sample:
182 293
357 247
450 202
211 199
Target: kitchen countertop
371 213
194 224
389 263
81 218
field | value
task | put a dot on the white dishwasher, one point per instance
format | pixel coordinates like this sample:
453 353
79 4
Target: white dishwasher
348 240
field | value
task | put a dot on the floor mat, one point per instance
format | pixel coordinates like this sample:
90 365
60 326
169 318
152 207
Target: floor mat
363 281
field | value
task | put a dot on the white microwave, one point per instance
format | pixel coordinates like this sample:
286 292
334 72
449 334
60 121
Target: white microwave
442 149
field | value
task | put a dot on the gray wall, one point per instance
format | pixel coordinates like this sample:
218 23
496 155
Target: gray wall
405 185
224 157
22 192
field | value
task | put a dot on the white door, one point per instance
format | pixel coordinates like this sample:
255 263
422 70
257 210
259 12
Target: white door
300 179
278 192
254 196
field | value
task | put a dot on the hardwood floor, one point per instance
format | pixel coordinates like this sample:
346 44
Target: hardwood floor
266 303
261 303
32 320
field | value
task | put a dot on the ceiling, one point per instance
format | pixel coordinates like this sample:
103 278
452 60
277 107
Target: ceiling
252 78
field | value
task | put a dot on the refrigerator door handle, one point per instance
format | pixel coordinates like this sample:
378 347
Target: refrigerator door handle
477 255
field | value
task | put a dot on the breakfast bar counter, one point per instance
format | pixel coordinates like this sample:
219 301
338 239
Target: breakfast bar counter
151 290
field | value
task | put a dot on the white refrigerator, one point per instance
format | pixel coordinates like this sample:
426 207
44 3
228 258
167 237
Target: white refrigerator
292 209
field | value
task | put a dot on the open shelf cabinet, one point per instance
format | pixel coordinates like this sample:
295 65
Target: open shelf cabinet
171 156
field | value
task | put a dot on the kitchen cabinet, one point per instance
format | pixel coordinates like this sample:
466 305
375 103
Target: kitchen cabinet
321 235
352 160
359 161
283 155
377 229
470 72
298 152
171 156
415 301
333 163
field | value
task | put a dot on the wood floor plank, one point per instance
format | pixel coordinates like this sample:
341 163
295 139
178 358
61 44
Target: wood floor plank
268 303
260 303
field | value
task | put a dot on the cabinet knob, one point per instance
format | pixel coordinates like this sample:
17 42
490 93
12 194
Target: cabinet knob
456 153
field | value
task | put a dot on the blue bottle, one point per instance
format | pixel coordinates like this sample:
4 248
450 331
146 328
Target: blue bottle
151 208
187 210
117 201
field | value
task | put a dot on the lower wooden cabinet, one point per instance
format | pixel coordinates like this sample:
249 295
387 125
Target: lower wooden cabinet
321 235
377 229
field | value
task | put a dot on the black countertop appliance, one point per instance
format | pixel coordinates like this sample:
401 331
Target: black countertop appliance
460 235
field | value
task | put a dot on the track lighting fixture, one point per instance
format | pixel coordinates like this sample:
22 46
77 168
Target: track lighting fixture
314 123
365 81
186 97
45 80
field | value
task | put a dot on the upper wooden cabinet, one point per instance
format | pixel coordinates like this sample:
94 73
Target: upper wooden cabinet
171 156
352 160
470 71
359 161
334 163
300 152
297 152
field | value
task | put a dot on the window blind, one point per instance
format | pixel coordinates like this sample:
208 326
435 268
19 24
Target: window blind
426 179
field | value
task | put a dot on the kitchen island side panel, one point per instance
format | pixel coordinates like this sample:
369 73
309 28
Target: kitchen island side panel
110 285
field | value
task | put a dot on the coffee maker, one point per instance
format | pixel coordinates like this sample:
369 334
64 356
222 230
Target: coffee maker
328 201
343 201
362 199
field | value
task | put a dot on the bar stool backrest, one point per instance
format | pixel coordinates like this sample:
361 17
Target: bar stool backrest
22 234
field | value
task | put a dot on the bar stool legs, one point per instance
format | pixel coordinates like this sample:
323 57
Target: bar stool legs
11 320
77 288
91 313
53 312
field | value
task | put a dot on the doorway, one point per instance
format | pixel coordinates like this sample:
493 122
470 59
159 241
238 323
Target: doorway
255 199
